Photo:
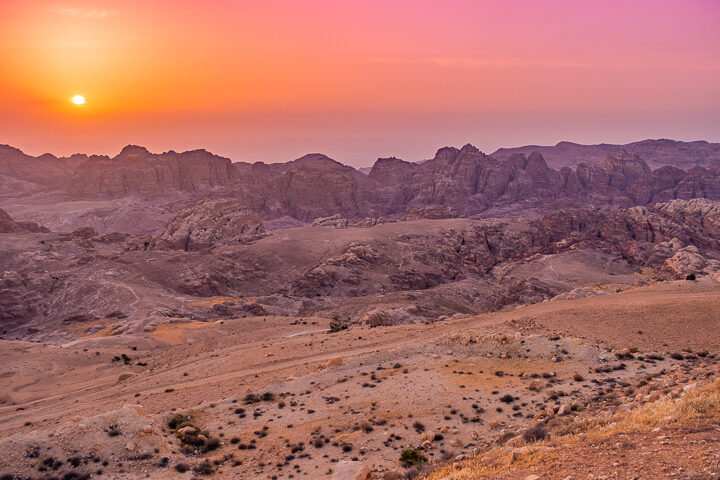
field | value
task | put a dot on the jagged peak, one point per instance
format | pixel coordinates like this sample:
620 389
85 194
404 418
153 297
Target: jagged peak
469 148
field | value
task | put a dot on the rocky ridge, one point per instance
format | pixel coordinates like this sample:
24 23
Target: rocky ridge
463 182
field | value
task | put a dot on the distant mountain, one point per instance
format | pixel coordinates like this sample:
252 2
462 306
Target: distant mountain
138 191
657 153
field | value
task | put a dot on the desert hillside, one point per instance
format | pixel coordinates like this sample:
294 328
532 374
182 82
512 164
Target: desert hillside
284 397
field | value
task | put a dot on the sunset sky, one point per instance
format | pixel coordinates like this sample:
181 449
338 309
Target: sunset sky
272 80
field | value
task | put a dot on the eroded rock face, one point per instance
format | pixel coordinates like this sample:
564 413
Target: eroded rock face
455 182
403 272
135 171
658 153
210 221
8 225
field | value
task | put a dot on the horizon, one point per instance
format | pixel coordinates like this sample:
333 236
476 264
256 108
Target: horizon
420 160
270 81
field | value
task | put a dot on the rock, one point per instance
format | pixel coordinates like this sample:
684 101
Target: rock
515 441
209 222
376 318
335 221
130 446
188 430
124 376
8 225
532 477
690 387
468 337
350 470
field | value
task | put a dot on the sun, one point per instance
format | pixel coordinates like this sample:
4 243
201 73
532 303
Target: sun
78 100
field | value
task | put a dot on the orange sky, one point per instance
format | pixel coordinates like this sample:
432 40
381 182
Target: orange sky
272 80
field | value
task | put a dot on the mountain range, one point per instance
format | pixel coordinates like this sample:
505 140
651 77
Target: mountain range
107 193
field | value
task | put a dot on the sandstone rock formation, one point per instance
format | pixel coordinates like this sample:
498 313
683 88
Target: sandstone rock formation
210 221
657 153
454 182
8 225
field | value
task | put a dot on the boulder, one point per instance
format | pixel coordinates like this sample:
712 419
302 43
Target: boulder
349 470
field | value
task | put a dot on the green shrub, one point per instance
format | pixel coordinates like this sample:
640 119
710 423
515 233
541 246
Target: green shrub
337 325
410 456
174 421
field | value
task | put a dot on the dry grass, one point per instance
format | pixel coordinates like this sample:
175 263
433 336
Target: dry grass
695 406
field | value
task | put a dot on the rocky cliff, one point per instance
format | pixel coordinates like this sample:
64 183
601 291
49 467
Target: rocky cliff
658 153
465 180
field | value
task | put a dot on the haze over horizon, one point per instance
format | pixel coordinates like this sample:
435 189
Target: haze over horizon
268 81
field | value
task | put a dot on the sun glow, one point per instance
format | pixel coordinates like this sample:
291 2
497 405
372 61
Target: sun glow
78 100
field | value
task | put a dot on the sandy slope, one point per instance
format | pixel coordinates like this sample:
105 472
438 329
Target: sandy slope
357 387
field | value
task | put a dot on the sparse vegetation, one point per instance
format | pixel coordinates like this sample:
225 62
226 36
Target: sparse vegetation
411 457
193 440
337 325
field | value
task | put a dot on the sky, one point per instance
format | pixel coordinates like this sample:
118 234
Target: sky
272 80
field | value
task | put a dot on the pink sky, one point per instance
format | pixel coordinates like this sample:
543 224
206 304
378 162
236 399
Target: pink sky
273 80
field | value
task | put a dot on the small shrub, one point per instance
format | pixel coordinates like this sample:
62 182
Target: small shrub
690 277
410 456
533 434
204 468
176 420
337 325
212 444
182 467
578 378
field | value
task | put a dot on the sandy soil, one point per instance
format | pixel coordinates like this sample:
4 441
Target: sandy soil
369 391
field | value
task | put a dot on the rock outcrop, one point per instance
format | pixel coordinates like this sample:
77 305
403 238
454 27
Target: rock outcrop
8 225
209 222
135 171
658 153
